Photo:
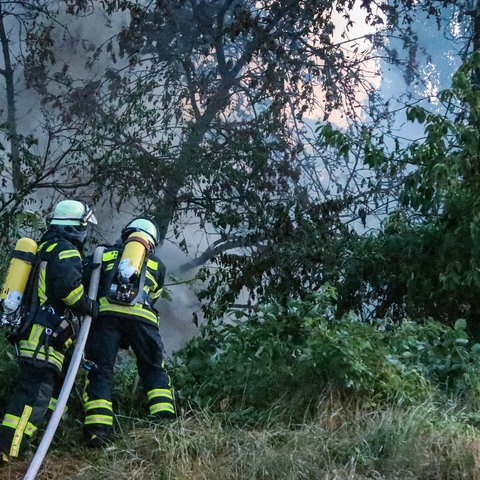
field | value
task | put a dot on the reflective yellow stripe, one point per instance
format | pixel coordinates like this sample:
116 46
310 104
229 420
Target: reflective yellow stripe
108 256
20 430
161 407
74 296
31 346
137 310
30 429
35 334
69 254
53 403
103 419
56 360
27 349
100 403
150 277
156 294
41 356
152 264
11 421
51 247
160 392
42 283
153 280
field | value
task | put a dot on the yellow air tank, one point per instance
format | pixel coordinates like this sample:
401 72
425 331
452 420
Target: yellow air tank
133 256
18 273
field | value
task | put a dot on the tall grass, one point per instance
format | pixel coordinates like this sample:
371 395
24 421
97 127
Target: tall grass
337 400
345 440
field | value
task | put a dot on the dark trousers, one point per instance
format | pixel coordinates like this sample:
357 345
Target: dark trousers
27 406
107 335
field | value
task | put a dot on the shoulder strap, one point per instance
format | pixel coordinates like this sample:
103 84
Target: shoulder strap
141 283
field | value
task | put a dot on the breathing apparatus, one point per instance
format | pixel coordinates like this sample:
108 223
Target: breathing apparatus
128 281
71 215
16 280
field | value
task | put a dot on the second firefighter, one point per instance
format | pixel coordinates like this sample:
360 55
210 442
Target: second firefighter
132 278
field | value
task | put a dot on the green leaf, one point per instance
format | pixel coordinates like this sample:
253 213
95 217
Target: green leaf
460 324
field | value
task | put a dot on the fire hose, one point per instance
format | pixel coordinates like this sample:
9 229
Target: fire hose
47 438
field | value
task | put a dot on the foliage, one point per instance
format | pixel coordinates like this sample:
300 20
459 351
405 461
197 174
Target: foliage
350 432
295 353
43 159
424 260
200 121
205 105
427 440
8 372
285 265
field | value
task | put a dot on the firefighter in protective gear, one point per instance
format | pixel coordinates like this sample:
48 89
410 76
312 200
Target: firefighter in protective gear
47 331
124 322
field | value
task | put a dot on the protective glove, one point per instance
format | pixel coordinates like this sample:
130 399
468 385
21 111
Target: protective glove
93 309
89 266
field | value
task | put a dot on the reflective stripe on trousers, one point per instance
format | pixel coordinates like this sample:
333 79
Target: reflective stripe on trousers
98 412
160 400
22 427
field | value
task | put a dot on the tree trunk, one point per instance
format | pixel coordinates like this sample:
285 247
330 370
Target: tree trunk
8 73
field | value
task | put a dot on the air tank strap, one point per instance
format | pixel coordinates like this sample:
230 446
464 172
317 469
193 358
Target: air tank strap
139 239
139 297
26 256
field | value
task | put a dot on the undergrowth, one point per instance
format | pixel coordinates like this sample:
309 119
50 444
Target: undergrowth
344 440
292 393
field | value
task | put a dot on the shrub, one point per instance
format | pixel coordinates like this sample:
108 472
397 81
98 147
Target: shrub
294 354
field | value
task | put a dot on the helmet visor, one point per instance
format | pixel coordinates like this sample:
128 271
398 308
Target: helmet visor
89 216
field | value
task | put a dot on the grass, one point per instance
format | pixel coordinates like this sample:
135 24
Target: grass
344 441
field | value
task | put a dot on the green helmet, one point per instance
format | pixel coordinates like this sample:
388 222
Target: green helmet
142 225
74 213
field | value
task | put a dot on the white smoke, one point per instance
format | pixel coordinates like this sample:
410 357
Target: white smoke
76 40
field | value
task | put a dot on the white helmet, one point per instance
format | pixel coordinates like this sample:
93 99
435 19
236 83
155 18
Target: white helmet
73 212
142 225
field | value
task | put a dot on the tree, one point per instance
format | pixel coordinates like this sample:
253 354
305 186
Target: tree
39 156
203 104
201 113
424 262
